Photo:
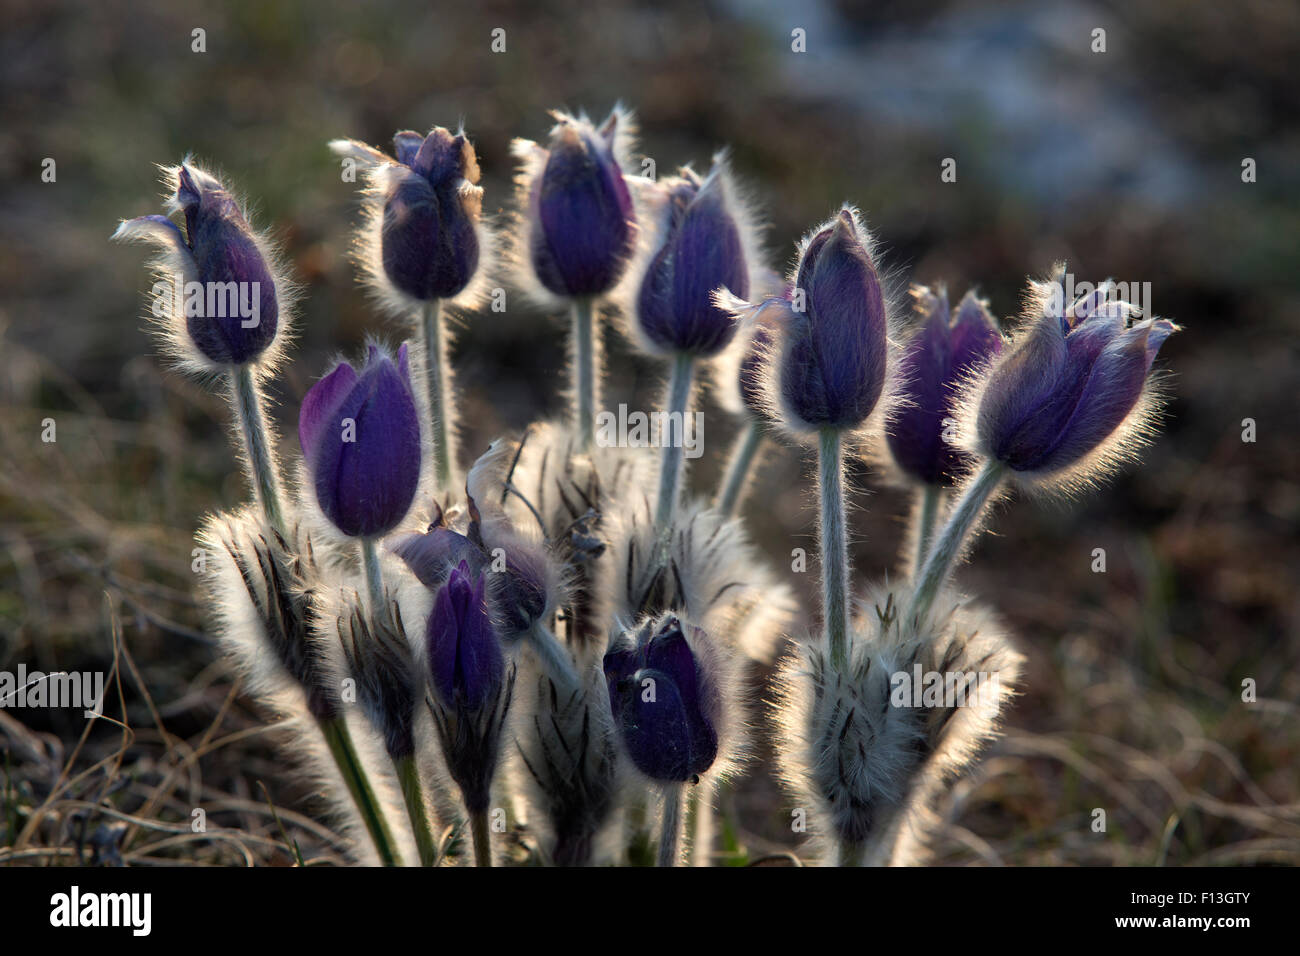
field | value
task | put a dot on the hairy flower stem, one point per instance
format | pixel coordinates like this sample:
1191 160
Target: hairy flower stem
670 837
435 378
584 372
699 822
478 825
927 511
374 580
834 545
257 445
738 468
948 544
409 775
673 445
344 752
554 658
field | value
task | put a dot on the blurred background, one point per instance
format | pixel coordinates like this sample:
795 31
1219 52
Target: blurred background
1127 163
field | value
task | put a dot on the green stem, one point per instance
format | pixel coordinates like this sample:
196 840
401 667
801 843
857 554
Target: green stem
374 580
948 544
671 834
927 511
478 824
344 752
738 468
670 465
435 377
584 372
257 445
834 545
409 775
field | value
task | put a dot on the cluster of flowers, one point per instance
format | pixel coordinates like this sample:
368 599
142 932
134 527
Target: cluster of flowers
523 649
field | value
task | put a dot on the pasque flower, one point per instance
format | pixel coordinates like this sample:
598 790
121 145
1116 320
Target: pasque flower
702 248
425 240
1071 387
944 350
580 219
471 687
834 355
360 438
233 313
466 665
663 701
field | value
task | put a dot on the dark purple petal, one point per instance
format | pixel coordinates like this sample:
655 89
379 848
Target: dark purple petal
934 363
703 252
833 364
433 555
1069 384
429 242
583 219
237 282
668 733
466 665
319 405
365 450
406 145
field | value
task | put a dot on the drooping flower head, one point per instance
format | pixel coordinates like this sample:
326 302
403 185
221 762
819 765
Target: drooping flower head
219 300
834 354
942 353
524 579
704 244
424 238
1070 396
663 700
579 219
360 438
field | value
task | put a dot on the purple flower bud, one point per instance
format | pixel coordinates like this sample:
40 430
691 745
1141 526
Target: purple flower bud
360 437
429 237
662 702
833 363
942 353
466 665
702 251
1068 383
234 314
582 222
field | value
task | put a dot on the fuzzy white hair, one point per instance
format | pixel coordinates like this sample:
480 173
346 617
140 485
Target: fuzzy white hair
861 764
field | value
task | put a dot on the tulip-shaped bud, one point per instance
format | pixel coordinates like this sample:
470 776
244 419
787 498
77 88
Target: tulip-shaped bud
424 240
943 353
834 355
219 299
469 681
360 438
704 242
663 700
1070 395
580 219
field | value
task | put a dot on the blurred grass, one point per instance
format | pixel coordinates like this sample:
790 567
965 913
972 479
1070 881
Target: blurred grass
1126 164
